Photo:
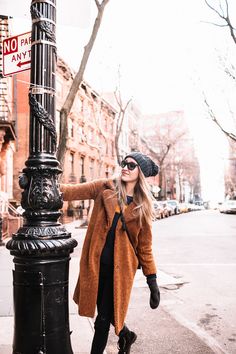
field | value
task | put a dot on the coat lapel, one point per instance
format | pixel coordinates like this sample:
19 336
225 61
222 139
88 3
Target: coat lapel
110 204
129 213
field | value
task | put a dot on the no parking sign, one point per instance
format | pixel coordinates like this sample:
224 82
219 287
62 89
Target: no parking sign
16 54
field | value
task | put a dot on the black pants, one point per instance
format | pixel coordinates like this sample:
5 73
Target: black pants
105 307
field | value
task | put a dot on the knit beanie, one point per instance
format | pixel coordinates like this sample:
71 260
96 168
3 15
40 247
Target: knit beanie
148 167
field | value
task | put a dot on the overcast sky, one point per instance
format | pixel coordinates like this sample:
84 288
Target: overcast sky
166 53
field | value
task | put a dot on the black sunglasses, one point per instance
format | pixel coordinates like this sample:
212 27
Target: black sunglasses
130 165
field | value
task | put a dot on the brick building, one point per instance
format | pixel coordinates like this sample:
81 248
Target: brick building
90 149
91 132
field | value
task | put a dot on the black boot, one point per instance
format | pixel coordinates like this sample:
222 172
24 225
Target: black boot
126 339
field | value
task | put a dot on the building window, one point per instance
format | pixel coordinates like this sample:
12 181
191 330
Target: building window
111 127
90 135
107 148
70 128
72 162
105 124
91 169
107 172
78 104
112 148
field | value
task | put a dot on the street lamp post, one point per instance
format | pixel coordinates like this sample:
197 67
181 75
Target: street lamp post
42 246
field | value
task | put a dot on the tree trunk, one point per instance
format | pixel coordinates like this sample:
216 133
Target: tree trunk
66 108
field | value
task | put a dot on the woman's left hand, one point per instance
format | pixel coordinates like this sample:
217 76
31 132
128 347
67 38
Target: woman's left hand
155 293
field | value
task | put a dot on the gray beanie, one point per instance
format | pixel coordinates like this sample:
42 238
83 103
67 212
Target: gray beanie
148 167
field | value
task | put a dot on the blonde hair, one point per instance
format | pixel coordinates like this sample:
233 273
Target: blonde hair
142 197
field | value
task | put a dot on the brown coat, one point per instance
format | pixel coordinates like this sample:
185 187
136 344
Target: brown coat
125 260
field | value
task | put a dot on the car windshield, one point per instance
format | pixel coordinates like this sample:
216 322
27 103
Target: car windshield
171 202
231 202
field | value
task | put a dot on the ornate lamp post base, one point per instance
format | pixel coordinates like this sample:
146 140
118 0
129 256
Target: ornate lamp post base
40 282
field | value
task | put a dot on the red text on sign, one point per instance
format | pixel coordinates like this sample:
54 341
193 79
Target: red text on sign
21 56
25 41
10 45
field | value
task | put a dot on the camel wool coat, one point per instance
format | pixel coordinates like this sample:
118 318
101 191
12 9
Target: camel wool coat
125 261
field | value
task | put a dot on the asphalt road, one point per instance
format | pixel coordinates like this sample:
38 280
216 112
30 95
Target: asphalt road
198 250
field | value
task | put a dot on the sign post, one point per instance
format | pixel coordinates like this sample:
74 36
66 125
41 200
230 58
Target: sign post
16 54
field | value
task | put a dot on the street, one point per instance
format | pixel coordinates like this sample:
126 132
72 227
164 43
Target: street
198 250
195 254
200 247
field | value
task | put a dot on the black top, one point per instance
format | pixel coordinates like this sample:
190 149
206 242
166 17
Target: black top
107 256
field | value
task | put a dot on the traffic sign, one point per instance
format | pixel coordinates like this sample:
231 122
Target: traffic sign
16 54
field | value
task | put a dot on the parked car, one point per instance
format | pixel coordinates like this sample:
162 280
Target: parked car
158 210
183 207
175 205
168 209
228 207
165 209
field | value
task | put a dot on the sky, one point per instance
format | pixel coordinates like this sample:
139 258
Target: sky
167 56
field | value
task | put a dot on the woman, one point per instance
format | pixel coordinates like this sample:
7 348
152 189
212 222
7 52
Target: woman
118 239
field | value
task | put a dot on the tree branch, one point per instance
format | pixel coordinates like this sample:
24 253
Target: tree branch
225 18
128 102
214 24
222 8
118 99
227 8
149 147
97 4
213 9
232 136
120 121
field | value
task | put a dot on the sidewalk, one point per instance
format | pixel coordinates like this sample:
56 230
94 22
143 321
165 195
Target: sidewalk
82 327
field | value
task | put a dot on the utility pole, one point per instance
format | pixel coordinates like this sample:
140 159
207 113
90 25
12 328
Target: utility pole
42 246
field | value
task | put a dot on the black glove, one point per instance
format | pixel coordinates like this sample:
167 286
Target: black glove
155 293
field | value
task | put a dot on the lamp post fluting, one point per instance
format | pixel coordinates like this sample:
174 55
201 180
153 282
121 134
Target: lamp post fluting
42 246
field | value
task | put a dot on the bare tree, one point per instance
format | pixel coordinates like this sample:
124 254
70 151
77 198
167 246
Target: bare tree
223 13
119 121
228 68
66 108
164 137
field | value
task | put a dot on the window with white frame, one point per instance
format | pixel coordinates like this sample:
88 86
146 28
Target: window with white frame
91 169
72 162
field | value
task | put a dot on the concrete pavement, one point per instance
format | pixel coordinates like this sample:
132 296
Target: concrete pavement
171 338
